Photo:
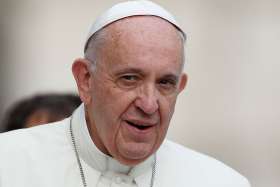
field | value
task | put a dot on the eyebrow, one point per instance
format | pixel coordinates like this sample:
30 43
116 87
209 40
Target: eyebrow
141 72
171 76
129 70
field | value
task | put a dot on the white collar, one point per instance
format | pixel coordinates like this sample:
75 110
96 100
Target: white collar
98 160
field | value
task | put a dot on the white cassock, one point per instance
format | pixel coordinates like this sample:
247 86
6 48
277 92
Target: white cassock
43 156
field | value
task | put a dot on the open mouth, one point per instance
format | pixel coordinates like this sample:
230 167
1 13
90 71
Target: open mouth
139 126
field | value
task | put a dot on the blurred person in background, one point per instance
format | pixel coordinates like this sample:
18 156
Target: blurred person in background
40 109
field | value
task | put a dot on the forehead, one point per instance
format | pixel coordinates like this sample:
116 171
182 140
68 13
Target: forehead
142 40
143 26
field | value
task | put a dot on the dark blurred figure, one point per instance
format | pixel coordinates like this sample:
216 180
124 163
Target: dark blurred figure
40 109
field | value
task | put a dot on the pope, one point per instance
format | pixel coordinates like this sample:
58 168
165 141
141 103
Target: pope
128 80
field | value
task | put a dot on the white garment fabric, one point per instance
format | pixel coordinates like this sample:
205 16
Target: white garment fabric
43 156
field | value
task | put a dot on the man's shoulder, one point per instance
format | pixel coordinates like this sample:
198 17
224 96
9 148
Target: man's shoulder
197 167
30 138
35 151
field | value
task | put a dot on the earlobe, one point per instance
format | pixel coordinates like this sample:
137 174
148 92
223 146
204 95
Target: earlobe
81 72
183 82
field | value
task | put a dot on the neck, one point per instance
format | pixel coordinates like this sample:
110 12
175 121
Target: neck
94 134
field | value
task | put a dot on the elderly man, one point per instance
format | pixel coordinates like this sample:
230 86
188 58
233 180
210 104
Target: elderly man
128 81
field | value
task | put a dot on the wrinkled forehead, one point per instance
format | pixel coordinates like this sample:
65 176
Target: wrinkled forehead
137 27
138 41
129 9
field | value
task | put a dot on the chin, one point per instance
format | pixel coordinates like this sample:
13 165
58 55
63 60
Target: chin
131 162
134 156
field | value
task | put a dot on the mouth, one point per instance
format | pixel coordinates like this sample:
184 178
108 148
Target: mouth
139 126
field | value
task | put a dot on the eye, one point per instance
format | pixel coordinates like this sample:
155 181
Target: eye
167 85
129 77
128 81
167 82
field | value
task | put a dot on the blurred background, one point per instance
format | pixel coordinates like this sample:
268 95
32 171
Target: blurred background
231 107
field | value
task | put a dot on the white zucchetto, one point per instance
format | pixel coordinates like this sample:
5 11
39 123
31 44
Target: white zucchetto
131 8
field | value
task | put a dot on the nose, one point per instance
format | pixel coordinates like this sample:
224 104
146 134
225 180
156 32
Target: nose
147 100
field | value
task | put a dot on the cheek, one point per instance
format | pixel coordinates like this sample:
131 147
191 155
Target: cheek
167 107
108 108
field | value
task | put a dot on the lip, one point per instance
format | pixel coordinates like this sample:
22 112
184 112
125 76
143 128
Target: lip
147 126
141 122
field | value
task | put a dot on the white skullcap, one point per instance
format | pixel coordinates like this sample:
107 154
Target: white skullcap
131 8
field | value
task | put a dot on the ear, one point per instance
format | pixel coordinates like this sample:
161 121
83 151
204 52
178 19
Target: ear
81 72
183 82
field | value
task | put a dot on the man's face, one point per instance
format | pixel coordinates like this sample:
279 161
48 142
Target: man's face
134 88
